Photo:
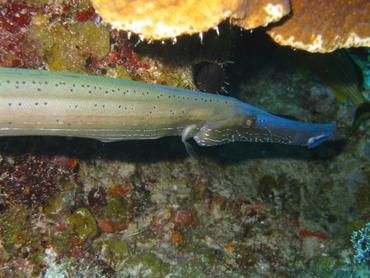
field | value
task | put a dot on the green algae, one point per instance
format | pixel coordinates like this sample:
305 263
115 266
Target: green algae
66 49
117 211
18 236
192 269
146 265
60 202
15 231
323 266
83 224
363 198
119 72
112 249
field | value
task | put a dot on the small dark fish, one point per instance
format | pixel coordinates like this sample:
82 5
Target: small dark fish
209 77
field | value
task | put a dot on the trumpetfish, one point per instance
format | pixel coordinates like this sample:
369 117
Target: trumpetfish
38 102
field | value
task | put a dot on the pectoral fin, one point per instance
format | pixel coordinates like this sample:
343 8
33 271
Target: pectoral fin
187 134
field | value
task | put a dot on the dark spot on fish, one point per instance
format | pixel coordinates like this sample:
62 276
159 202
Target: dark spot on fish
39 89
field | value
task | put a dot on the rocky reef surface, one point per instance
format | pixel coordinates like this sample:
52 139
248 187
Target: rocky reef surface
80 208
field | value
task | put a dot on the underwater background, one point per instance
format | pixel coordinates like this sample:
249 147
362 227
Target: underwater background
74 207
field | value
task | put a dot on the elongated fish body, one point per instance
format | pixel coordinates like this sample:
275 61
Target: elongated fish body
34 102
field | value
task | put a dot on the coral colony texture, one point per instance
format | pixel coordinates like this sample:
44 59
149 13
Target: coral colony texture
71 207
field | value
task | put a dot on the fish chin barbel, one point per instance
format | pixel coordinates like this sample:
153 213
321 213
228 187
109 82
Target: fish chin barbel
36 102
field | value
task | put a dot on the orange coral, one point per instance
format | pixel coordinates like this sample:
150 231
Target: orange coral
162 19
313 25
262 12
323 26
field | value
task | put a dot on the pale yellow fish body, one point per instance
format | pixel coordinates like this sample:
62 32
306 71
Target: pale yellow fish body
67 104
36 102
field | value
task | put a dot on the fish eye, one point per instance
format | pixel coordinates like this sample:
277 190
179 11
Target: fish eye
250 121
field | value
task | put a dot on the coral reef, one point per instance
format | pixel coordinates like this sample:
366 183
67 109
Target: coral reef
164 19
361 243
74 207
314 26
260 13
318 26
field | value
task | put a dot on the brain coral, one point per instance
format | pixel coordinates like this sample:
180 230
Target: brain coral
162 19
323 26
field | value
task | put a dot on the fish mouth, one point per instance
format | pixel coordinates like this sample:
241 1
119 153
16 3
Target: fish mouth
317 140
325 135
